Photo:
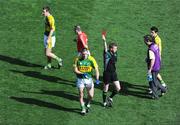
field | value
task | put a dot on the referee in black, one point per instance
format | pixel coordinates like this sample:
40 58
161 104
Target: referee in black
109 74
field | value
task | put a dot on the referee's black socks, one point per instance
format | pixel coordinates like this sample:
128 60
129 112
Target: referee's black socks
104 96
114 92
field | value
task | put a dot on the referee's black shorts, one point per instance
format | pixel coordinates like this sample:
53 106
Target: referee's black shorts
109 77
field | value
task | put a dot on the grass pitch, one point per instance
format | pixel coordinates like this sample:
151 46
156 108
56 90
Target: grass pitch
33 96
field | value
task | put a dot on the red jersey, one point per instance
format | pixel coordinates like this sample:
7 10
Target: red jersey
80 45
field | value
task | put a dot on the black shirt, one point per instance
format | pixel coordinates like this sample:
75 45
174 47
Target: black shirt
110 60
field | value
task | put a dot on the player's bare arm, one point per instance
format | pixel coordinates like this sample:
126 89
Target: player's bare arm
97 73
50 34
151 65
76 70
105 43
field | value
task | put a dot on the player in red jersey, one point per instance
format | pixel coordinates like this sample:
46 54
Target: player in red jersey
82 40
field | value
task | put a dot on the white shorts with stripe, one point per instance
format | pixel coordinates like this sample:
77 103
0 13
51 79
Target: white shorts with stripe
52 42
88 83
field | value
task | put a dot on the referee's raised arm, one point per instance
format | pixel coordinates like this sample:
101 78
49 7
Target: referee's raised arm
105 44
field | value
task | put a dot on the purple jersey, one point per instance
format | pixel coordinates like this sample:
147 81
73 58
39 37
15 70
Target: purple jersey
157 64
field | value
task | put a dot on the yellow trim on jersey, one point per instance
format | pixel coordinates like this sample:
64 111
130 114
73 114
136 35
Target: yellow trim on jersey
158 42
94 61
50 23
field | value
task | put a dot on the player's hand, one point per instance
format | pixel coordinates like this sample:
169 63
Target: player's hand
86 46
103 37
97 82
149 77
85 75
48 40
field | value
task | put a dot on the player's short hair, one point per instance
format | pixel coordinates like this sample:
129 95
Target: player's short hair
47 8
112 44
77 28
84 50
155 29
148 38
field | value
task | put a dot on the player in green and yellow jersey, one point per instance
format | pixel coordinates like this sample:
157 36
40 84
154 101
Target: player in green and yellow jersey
157 40
49 38
83 67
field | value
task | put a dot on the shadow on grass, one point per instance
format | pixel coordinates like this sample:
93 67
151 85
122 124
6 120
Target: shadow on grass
17 61
63 94
38 75
140 91
41 103
129 89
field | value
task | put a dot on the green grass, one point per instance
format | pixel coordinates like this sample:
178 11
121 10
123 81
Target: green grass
33 96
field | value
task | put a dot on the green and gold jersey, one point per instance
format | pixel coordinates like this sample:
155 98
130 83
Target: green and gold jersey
49 24
85 66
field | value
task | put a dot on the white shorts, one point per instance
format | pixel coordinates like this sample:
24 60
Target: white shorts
81 83
52 42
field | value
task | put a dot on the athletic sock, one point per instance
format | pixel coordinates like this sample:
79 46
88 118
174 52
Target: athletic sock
58 59
88 102
113 94
104 96
83 106
163 83
49 65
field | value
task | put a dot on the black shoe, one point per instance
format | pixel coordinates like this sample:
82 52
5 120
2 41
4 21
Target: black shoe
109 102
